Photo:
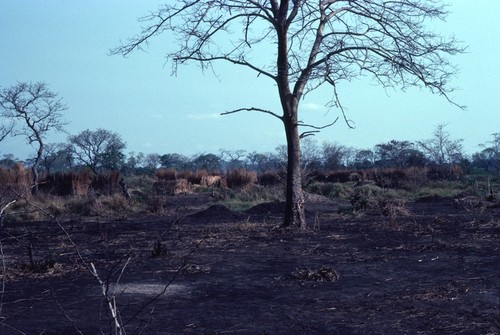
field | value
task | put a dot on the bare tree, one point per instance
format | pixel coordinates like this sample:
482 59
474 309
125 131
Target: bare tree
398 154
301 45
5 130
56 157
35 111
335 155
441 149
489 157
233 159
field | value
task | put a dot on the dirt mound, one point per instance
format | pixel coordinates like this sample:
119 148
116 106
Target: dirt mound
267 208
216 212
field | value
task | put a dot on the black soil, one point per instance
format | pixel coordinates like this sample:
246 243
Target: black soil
202 269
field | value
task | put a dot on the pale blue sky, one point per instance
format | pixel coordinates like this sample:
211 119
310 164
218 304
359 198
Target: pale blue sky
65 44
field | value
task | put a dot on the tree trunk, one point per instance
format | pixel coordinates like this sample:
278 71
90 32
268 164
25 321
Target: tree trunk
34 168
294 208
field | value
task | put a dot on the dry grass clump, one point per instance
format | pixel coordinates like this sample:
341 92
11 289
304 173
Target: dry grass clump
212 181
166 174
271 178
107 183
14 182
241 178
81 183
195 177
67 183
171 187
114 205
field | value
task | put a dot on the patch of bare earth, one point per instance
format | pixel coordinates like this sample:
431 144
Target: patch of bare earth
202 269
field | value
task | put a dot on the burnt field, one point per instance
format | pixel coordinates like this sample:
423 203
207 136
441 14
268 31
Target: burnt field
200 268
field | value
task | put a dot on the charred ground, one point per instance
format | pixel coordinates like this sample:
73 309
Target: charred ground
201 268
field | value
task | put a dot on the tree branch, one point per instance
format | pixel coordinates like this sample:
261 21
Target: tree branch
253 109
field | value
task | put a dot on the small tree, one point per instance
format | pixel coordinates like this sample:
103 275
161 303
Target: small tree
35 111
301 45
98 150
310 155
56 157
398 154
209 162
363 159
489 157
152 161
175 161
441 149
260 162
233 159
335 155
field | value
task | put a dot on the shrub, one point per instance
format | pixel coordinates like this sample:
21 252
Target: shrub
365 197
331 190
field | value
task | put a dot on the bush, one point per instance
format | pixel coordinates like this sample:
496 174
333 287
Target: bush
331 190
365 197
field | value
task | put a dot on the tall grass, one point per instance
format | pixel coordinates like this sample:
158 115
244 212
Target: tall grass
241 178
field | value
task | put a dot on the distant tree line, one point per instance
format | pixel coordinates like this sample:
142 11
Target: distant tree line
102 150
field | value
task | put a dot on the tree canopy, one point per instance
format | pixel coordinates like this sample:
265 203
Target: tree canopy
302 45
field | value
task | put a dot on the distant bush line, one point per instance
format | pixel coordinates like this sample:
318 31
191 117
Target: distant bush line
17 179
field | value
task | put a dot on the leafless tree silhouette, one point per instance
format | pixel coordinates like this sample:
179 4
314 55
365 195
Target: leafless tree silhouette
302 45
35 111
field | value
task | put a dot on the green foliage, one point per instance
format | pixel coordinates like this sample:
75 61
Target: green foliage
331 190
443 188
99 150
365 197
114 205
240 200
